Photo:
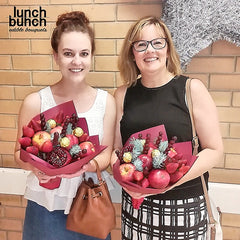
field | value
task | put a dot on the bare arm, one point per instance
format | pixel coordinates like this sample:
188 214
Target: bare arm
119 97
29 109
208 130
103 159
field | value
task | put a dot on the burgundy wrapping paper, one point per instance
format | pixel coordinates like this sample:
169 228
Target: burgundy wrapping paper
183 147
68 109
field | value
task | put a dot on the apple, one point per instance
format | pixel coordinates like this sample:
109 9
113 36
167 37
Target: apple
137 175
39 138
147 162
83 138
73 140
126 171
89 148
158 178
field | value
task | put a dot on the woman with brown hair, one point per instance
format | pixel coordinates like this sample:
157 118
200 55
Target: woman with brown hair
73 47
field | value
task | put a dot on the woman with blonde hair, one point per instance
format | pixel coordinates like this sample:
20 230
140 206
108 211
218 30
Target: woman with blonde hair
153 94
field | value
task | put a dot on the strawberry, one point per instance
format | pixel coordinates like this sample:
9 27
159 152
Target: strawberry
36 125
47 146
182 162
137 202
32 149
184 168
60 117
172 167
27 131
25 141
175 176
137 175
145 183
179 156
172 153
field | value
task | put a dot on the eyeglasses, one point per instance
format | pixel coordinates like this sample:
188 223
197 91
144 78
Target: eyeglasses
142 45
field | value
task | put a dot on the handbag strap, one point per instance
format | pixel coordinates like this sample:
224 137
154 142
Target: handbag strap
195 149
98 171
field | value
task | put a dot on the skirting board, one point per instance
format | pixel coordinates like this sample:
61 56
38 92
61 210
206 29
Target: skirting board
226 196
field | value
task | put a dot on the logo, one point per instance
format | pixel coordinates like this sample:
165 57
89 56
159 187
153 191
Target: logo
28 20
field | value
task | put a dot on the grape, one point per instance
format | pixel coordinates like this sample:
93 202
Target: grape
43 122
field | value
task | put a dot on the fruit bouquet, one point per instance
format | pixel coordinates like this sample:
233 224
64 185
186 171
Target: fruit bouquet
57 142
150 164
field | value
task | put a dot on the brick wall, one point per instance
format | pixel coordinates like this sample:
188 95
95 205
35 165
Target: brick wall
26 65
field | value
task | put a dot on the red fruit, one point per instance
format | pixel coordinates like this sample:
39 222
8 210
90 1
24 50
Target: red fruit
126 171
172 153
87 146
182 162
146 160
137 175
40 138
27 131
60 117
57 129
172 167
137 202
73 140
184 168
47 146
175 176
159 178
25 141
179 156
84 137
33 150
151 147
145 183
36 125
59 157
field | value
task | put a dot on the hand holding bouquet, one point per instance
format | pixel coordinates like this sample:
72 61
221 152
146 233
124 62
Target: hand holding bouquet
150 164
57 142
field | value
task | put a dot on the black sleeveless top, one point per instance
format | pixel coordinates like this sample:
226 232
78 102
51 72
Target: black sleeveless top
149 107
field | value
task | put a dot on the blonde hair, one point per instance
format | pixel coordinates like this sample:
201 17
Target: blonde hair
128 68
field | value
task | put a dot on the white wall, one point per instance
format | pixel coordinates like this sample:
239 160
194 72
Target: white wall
226 196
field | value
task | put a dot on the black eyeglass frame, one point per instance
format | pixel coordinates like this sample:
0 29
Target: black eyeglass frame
147 44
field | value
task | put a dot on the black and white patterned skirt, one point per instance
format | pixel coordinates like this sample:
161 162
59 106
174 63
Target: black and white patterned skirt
164 219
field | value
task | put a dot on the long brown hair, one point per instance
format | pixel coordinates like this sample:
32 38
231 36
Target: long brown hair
128 68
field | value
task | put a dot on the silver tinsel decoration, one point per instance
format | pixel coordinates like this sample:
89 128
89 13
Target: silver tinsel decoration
196 24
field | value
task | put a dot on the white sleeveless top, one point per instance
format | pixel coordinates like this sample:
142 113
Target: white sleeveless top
61 198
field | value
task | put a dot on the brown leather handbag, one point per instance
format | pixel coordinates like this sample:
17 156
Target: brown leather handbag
92 212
